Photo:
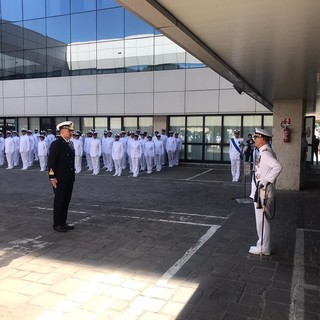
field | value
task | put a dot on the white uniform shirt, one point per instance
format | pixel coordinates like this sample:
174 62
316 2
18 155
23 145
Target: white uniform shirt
87 142
95 148
179 144
149 149
16 141
233 152
108 145
9 145
117 150
135 149
158 147
42 148
78 147
171 144
24 143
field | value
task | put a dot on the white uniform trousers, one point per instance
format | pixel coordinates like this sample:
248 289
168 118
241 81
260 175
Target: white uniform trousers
78 163
266 227
104 160
30 158
43 162
117 167
142 162
157 161
89 161
9 157
149 162
170 157
176 158
95 164
16 157
1 158
235 169
25 160
124 161
109 162
36 156
130 163
135 166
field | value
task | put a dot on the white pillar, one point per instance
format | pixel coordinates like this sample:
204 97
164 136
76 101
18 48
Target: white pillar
288 153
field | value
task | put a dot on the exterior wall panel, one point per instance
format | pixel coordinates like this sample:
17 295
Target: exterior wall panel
202 102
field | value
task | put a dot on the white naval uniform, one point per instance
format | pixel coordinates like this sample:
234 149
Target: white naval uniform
108 142
124 157
78 151
42 154
176 155
171 148
135 155
164 139
158 153
9 149
24 151
268 169
31 151
95 153
16 141
86 149
1 151
142 159
235 158
149 155
117 156
103 151
129 142
36 140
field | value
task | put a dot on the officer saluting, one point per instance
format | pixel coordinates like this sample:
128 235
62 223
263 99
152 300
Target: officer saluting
62 175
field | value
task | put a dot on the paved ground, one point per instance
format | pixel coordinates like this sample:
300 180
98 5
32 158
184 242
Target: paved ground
171 245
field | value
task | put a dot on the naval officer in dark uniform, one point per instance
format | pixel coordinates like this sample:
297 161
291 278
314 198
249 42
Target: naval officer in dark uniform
62 175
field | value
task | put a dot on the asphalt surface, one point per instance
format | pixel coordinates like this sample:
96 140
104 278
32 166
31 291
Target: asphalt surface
170 245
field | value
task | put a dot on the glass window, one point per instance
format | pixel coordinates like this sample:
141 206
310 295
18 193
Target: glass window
83 27
115 124
146 124
57 7
82 5
83 56
11 10
10 124
213 129
225 153
22 123
268 123
34 34
194 129
2 128
130 123
194 152
86 124
192 62
35 63
110 55
230 123
12 64
12 34
135 26
34 9
58 31
110 24
76 121
249 125
34 123
178 124
102 4
212 153
100 124
56 62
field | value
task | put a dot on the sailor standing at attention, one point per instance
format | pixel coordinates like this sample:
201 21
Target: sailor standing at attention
62 175
268 169
235 153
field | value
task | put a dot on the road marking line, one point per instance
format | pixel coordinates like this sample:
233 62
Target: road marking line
197 175
180 263
172 212
50 209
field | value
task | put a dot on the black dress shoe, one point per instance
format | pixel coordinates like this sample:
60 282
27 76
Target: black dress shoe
69 226
60 229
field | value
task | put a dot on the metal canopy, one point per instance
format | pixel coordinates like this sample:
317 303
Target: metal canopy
269 49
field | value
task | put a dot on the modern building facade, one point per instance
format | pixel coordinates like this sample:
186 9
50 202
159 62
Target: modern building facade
93 62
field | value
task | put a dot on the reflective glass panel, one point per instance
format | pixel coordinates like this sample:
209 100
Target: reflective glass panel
192 62
58 31
115 125
130 123
83 27
57 7
33 9
10 124
110 55
139 54
146 124
225 154
135 26
102 4
194 129
213 129
268 123
56 62
22 124
35 63
11 10
86 124
110 24
83 56
212 153
12 36
230 123
100 124
82 5
178 124
2 128
34 123
12 64
194 152
34 34
249 125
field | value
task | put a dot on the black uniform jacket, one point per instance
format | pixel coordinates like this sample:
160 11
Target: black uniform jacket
61 160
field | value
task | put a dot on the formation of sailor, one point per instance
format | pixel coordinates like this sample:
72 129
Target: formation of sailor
135 149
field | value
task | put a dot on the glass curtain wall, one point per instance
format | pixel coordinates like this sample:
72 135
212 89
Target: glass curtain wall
50 38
